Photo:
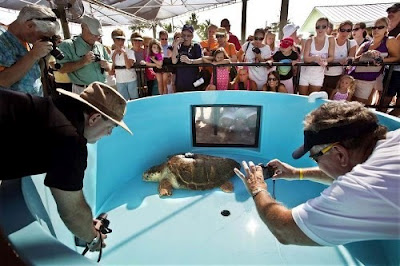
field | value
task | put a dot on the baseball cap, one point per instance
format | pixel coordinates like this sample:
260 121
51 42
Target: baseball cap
93 24
289 29
104 99
286 42
188 28
333 134
394 8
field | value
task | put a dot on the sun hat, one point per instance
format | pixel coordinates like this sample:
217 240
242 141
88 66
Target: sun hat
289 29
105 100
93 24
136 36
118 34
333 134
221 31
286 42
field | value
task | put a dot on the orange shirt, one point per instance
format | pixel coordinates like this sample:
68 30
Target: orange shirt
230 49
209 46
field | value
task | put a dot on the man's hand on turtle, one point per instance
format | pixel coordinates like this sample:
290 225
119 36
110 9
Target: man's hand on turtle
253 178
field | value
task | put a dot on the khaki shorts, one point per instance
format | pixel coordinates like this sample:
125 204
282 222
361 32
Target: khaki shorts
364 88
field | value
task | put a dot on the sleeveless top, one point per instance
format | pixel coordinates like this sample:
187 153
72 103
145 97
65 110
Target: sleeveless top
341 52
323 53
340 96
370 73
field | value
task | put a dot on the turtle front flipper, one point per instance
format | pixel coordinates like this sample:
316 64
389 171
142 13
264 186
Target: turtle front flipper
165 188
227 187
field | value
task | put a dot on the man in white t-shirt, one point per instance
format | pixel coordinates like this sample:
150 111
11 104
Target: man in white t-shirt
123 60
360 161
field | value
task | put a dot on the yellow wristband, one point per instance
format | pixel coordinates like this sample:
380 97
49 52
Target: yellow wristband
301 174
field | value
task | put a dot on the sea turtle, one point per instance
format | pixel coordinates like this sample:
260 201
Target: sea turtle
192 171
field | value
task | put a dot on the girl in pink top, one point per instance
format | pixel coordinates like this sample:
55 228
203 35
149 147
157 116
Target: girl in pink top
219 57
344 89
242 80
154 59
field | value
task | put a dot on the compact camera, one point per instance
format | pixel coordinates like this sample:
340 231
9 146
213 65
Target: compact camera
55 52
97 57
256 50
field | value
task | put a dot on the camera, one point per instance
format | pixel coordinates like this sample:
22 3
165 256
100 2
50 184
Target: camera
241 86
97 57
55 52
256 50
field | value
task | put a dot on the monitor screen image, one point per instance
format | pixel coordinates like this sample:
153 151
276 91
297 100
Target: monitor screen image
226 125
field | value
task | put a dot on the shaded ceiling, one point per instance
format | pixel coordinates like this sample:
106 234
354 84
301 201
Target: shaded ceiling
126 12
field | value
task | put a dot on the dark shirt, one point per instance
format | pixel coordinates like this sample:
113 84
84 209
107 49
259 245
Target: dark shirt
285 72
394 32
185 76
41 136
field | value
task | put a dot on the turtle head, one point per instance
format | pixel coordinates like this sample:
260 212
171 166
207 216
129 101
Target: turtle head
154 174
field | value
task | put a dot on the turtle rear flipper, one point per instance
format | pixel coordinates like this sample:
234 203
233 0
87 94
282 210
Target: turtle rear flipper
165 188
227 187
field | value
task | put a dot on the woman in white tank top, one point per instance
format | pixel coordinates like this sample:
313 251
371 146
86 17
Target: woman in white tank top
319 49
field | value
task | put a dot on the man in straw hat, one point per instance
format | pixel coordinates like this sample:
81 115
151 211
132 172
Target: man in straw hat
50 136
360 161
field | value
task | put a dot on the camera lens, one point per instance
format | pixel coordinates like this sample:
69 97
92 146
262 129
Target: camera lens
57 53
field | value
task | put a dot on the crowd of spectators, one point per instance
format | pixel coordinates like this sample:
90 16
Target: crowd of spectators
169 64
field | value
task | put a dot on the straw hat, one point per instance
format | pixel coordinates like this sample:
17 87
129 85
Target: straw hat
105 100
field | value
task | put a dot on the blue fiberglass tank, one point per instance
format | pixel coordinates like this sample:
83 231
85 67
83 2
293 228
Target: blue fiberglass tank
188 227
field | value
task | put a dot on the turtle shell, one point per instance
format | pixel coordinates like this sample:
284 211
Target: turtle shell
201 172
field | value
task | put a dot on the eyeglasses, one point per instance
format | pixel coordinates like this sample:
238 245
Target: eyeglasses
272 79
220 36
378 27
164 39
322 152
258 38
345 30
321 27
356 29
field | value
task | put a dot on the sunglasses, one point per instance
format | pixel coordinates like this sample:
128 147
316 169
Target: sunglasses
187 35
356 29
344 30
321 27
322 152
258 38
164 39
378 27
272 79
220 36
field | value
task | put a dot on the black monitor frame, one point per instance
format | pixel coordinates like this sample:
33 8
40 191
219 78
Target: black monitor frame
213 141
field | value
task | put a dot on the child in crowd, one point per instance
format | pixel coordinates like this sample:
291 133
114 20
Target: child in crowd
273 83
242 80
154 58
345 88
219 57
270 41
170 84
286 54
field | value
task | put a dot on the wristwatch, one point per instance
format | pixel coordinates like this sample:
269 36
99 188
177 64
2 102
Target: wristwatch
94 242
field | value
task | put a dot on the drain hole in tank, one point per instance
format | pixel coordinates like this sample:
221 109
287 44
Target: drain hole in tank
225 213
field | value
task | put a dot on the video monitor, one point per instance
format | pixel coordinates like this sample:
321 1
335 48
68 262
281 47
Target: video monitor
226 125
